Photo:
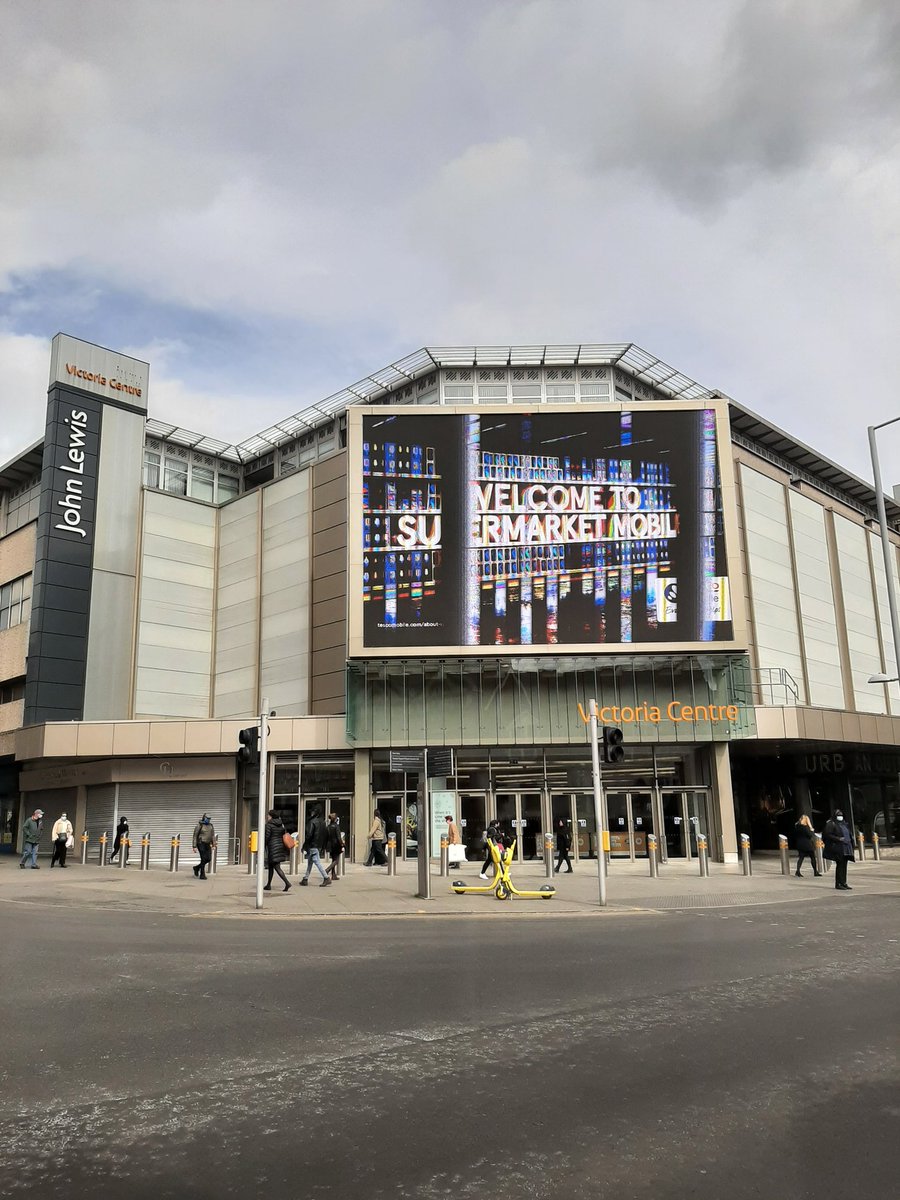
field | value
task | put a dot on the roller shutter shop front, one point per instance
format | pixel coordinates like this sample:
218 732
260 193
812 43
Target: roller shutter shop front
164 809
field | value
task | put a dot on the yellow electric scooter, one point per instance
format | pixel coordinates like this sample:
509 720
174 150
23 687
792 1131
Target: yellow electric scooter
502 885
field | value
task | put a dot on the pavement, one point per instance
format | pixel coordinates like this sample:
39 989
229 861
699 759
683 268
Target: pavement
371 892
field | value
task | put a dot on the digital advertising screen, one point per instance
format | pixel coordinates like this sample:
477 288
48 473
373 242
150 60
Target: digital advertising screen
542 529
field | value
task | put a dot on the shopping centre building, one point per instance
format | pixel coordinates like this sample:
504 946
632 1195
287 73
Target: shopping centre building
457 551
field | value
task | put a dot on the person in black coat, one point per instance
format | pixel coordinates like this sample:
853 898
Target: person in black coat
563 846
314 847
121 832
334 844
839 848
805 838
276 851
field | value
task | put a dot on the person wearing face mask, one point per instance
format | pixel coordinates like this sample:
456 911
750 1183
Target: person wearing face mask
61 833
839 848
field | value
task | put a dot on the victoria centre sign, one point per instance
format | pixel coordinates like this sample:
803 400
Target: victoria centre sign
478 531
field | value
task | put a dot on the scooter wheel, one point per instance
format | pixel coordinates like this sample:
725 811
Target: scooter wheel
547 892
503 892
458 885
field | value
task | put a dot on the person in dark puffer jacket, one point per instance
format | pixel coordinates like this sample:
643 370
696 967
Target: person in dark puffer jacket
276 851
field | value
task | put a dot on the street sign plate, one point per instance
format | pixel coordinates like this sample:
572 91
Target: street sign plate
406 760
440 762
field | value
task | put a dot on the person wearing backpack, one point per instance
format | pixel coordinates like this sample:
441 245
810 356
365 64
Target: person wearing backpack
334 844
493 833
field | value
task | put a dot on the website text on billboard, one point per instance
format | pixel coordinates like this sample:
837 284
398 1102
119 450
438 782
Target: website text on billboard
543 529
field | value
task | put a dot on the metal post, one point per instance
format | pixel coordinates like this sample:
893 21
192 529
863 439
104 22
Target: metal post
548 855
703 854
445 857
652 852
294 864
423 799
876 849
861 844
746 865
84 848
598 807
263 797
175 852
123 851
392 854
785 856
821 864
145 852
890 561
101 860
252 843
342 866
214 861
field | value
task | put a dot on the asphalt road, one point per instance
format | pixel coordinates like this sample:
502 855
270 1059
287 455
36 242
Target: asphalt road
708 1054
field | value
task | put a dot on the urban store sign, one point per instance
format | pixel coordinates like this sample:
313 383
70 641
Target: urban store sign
73 498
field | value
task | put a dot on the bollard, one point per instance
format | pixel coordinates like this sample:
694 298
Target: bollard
214 861
392 854
123 852
445 856
876 848
548 855
703 854
145 852
101 860
251 852
294 866
785 856
746 865
861 845
652 856
821 865
175 852
84 848
342 865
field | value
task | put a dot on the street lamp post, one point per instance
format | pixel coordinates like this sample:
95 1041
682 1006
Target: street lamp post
886 547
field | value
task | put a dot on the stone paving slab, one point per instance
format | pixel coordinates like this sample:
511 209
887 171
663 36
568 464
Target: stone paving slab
371 892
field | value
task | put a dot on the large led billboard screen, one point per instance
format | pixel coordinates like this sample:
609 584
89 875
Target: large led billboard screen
557 528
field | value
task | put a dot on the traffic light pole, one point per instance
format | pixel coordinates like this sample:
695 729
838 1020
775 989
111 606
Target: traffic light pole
598 804
263 797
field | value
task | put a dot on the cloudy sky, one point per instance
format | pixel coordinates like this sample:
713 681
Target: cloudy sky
269 200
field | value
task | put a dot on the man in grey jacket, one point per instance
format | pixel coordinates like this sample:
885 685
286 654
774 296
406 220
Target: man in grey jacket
31 836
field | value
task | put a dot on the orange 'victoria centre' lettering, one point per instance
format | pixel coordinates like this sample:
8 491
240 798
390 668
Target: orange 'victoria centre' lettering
615 714
95 377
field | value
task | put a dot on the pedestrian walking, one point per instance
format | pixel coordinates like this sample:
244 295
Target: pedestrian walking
121 832
277 850
314 846
31 836
805 838
334 844
203 840
563 846
63 837
494 834
839 848
376 835
454 838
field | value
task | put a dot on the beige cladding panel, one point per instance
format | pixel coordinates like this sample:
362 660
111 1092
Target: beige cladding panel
286 582
107 689
13 651
238 608
17 553
331 516
174 654
329 588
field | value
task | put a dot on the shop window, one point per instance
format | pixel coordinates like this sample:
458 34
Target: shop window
227 487
152 462
15 602
202 483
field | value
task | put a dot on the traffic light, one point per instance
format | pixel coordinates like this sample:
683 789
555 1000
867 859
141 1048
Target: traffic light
613 744
249 751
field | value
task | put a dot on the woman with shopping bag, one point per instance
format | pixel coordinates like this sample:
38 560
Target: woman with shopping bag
456 851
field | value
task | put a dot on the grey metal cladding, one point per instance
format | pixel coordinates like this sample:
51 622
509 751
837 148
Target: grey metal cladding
63 558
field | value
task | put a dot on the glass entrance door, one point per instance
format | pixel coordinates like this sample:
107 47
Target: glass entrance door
472 823
685 813
390 805
629 820
519 814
